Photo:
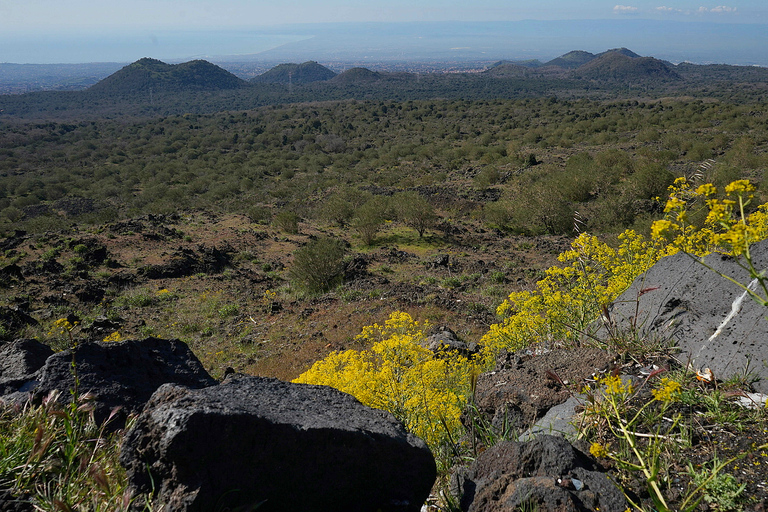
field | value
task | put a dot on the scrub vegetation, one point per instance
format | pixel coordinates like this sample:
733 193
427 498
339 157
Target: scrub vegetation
323 240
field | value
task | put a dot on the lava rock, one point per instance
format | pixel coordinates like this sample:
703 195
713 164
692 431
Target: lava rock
546 474
254 441
120 374
444 340
13 320
713 322
19 360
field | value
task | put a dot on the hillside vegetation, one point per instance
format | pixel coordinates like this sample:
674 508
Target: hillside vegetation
270 227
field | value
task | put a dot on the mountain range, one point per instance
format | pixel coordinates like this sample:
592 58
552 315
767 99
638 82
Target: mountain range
152 87
618 64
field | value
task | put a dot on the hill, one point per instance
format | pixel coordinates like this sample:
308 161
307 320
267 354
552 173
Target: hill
304 73
151 74
356 75
530 63
508 69
572 60
623 51
614 66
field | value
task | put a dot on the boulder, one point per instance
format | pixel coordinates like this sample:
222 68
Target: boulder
257 442
546 474
187 262
121 374
442 339
19 360
712 320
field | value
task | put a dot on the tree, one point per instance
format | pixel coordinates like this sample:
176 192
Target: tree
369 218
415 211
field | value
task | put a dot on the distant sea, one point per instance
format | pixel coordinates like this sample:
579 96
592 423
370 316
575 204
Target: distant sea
697 42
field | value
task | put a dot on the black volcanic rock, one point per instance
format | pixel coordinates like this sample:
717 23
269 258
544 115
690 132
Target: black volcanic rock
151 74
258 443
124 373
546 474
304 73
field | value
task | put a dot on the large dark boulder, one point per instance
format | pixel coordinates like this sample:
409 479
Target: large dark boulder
546 474
121 374
257 442
712 320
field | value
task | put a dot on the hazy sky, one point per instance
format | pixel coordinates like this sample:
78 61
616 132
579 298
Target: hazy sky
35 16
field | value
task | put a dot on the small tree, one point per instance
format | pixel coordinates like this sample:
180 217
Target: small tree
369 218
340 207
318 266
415 211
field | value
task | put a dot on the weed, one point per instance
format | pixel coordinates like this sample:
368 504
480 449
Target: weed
229 310
60 458
719 489
451 282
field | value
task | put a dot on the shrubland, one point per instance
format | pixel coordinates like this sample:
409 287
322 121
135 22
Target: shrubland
353 226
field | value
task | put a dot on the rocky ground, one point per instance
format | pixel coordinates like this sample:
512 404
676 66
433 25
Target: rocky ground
219 283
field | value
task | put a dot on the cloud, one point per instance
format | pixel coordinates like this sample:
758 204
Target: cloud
723 9
720 9
624 9
669 10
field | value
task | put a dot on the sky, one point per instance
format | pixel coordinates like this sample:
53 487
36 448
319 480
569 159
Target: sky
77 31
61 16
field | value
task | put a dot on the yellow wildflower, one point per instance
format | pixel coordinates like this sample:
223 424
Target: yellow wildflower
739 187
614 385
115 336
598 450
706 189
667 391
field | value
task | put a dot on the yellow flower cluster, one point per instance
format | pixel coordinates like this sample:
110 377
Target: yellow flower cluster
615 385
727 228
593 274
572 296
427 393
598 450
115 336
62 326
667 391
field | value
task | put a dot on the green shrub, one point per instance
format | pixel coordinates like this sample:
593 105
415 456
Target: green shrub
318 266
260 214
287 221
415 211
